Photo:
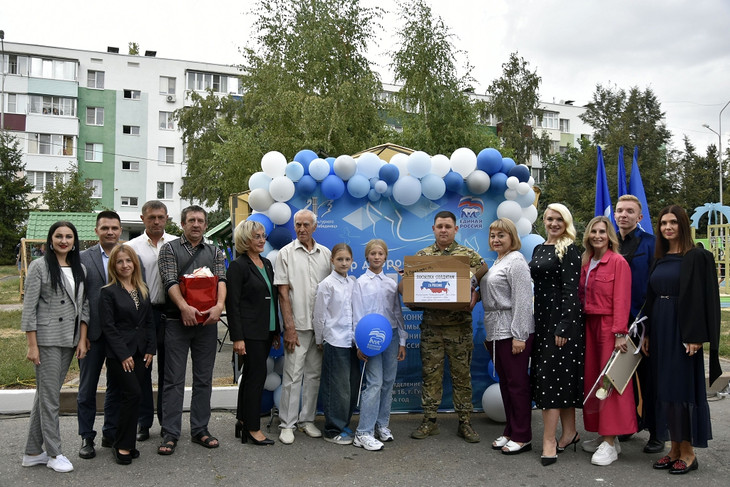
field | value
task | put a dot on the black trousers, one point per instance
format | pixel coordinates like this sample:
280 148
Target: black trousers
251 387
131 391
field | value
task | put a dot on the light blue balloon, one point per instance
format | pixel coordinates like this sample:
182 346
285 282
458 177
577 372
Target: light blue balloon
294 171
526 199
358 186
529 242
373 195
407 190
432 186
368 165
388 192
419 164
381 186
319 169
259 180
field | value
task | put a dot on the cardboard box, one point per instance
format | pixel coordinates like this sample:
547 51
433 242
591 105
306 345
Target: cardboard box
438 281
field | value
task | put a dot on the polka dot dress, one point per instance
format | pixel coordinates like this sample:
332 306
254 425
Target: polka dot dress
557 372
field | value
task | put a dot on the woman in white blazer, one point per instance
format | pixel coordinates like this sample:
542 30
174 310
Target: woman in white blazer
55 313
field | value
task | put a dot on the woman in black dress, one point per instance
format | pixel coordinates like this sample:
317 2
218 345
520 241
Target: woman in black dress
253 317
557 353
683 304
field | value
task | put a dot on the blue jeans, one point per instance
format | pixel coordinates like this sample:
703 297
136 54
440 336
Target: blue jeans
338 387
376 399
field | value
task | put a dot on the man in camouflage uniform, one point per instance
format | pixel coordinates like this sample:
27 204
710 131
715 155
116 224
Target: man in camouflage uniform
447 333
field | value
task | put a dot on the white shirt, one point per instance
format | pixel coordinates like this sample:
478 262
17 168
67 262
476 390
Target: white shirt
378 293
332 317
148 253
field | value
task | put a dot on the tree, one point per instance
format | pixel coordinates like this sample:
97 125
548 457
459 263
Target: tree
515 101
134 49
306 84
72 195
433 106
14 193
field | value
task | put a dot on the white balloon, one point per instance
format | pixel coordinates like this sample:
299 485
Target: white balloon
512 182
381 186
279 213
269 365
419 164
440 165
510 194
530 212
274 164
463 161
319 169
432 186
524 226
345 167
259 180
273 380
279 365
271 255
493 404
260 199
282 188
407 190
401 162
509 209
478 182
523 188
531 181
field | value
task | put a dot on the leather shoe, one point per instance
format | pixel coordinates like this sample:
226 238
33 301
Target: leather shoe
654 446
107 442
143 433
87 450
680 467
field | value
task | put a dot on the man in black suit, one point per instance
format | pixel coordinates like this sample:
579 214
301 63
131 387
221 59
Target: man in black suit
96 260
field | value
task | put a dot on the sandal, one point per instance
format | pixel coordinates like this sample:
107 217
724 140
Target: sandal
514 448
167 447
207 442
499 443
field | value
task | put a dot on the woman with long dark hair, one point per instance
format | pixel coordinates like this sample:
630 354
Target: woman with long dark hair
55 312
683 305
126 322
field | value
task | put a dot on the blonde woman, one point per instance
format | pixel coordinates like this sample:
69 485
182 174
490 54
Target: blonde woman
557 353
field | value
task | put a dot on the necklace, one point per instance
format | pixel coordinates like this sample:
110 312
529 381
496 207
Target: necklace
499 259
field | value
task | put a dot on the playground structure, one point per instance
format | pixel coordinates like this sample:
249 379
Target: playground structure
718 236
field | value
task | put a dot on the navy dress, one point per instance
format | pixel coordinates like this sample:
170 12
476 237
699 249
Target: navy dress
557 372
682 412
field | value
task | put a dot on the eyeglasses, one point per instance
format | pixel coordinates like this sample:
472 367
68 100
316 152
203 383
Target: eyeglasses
260 236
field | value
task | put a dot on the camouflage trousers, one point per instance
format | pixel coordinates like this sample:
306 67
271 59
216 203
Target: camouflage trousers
456 343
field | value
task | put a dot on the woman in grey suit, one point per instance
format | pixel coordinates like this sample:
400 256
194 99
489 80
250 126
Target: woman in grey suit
55 312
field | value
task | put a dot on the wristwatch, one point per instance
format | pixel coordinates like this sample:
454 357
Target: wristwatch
619 335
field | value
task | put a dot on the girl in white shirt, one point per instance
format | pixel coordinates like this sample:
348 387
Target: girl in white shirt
377 293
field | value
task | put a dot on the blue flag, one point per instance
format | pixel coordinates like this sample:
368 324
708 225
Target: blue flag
603 198
636 188
621 173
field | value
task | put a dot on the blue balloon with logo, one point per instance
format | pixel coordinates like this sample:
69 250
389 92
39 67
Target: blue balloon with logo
373 334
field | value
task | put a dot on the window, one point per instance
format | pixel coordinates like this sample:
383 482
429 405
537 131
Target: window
42 181
94 152
129 201
95 185
51 144
12 103
130 129
166 121
130 165
204 81
167 85
549 120
95 79
54 105
132 94
164 190
94 115
166 155
564 125
538 173
45 68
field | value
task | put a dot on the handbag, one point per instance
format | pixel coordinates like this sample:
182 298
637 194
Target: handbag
200 292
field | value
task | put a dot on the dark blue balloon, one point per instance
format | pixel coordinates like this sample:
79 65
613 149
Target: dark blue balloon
262 219
333 187
389 173
489 160
306 185
454 182
521 172
507 165
304 157
498 184
279 237
373 334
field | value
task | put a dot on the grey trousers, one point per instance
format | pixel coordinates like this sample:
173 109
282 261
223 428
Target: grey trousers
201 341
44 427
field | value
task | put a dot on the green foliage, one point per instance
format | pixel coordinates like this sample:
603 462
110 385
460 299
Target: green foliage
134 49
173 228
515 101
73 195
433 107
14 192
695 177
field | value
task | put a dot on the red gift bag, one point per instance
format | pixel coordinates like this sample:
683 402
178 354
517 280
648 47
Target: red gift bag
200 292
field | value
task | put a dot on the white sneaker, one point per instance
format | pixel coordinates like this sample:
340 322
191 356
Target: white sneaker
310 430
60 464
341 439
286 436
605 454
368 442
592 445
383 433
32 460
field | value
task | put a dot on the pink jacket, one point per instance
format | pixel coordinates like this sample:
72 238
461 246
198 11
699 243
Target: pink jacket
608 291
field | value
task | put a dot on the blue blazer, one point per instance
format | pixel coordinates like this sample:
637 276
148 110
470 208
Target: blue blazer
640 263
248 301
126 328
95 279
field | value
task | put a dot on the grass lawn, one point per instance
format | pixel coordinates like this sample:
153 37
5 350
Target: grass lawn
9 285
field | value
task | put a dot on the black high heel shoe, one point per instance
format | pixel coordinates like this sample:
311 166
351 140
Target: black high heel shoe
574 442
247 436
546 460
239 428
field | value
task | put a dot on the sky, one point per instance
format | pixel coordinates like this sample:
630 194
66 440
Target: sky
678 48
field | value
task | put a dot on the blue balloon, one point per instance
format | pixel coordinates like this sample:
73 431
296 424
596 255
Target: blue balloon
388 192
306 185
454 182
498 184
262 219
489 160
432 187
331 162
389 173
529 242
373 195
373 334
521 172
304 157
294 171
507 165
279 237
492 373
333 187
358 186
